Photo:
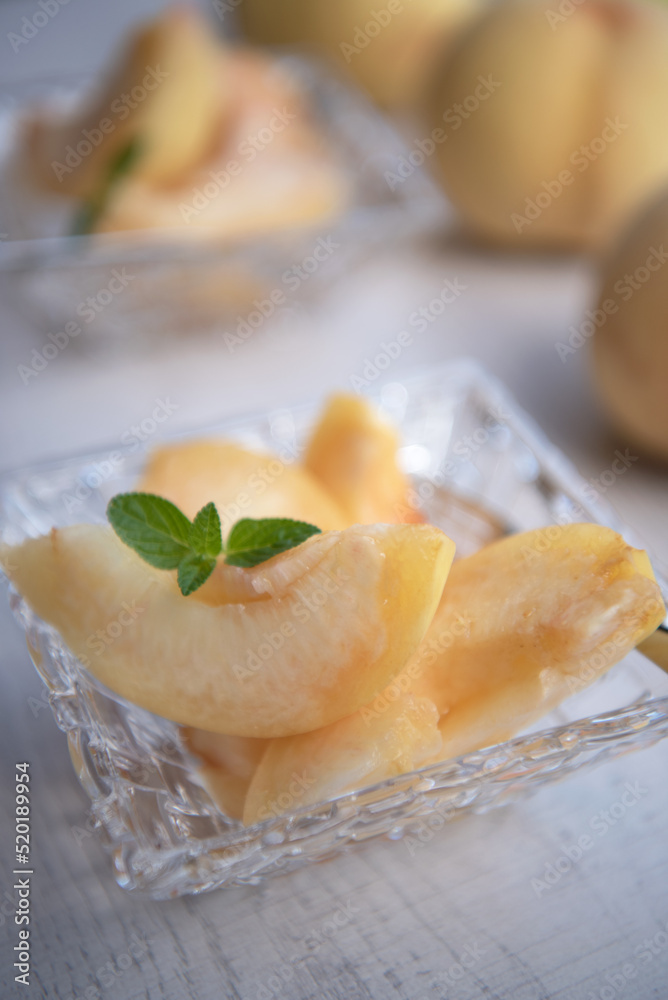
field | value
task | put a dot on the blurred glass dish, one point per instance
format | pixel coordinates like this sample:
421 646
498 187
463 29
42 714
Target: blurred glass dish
177 283
480 468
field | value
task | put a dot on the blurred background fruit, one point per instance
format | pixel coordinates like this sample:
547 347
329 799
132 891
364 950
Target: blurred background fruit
162 143
630 353
550 121
388 47
175 67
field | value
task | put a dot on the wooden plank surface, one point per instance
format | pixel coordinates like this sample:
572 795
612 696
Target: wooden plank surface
459 917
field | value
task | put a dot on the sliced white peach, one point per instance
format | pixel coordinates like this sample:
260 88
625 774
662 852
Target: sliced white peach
226 765
527 621
354 752
334 621
242 483
522 624
353 454
166 93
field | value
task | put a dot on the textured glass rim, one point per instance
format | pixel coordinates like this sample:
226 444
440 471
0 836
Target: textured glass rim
406 802
416 203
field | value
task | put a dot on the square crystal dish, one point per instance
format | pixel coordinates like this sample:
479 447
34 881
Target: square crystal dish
180 285
481 469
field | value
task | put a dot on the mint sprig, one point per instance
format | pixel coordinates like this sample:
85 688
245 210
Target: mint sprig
164 537
253 541
155 528
205 537
194 570
90 211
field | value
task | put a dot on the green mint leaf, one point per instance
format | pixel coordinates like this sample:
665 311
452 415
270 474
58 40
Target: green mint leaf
194 569
157 530
91 210
164 537
254 541
205 536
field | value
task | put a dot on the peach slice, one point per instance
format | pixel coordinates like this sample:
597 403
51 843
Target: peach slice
294 181
166 92
227 765
353 453
241 483
529 620
334 620
354 752
522 623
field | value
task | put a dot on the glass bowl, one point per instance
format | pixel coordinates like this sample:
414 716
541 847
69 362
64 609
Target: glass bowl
480 468
178 285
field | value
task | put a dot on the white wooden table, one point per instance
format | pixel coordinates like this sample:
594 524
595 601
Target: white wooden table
458 917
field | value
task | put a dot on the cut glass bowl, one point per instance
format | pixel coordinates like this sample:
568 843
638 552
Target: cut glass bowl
480 468
183 285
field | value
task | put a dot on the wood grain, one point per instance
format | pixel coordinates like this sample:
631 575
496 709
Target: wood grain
381 923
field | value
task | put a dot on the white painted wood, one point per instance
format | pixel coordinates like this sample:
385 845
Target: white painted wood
405 920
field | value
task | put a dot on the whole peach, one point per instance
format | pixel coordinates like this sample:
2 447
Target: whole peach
550 120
